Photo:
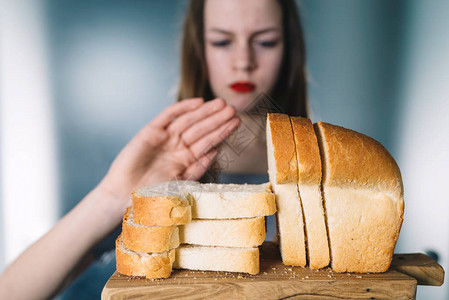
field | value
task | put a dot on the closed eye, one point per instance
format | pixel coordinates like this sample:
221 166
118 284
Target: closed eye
221 43
267 44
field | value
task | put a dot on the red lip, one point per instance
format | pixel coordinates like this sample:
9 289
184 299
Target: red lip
243 86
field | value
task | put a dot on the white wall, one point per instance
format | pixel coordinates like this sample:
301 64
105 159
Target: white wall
28 156
423 135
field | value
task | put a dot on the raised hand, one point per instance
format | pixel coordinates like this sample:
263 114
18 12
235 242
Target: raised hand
180 143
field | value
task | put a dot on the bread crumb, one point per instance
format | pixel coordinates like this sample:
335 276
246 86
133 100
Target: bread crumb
307 276
290 269
240 277
358 276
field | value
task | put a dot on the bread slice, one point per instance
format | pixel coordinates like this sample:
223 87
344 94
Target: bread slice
217 201
245 260
248 232
143 238
167 208
150 265
283 173
309 186
363 196
230 201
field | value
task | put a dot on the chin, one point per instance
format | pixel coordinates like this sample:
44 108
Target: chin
242 102
241 107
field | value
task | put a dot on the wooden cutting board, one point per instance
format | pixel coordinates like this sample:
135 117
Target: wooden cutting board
276 281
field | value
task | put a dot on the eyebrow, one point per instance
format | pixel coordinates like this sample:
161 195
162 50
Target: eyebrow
265 30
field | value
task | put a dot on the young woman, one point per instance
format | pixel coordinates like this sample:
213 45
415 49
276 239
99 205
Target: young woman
249 53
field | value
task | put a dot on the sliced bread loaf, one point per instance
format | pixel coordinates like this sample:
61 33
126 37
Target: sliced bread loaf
309 185
245 260
249 232
283 173
150 265
363 196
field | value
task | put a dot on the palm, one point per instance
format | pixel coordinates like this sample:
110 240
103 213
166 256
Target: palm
170 159
179 144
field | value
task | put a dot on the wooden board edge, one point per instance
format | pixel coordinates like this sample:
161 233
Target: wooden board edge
419 266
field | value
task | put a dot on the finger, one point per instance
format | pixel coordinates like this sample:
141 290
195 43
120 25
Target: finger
214 138
176 110
208 125
195 116
154 132
200 166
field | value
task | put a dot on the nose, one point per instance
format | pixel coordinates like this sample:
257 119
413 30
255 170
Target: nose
244 58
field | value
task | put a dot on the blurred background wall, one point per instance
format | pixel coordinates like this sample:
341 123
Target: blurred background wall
422 134
29 186
79 78
114 67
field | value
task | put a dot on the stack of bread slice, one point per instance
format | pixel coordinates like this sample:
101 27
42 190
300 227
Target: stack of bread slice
188 225
150 233
339 196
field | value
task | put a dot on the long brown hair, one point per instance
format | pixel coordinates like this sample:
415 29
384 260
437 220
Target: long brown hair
290 91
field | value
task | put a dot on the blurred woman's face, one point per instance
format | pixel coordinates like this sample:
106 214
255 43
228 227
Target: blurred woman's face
244 47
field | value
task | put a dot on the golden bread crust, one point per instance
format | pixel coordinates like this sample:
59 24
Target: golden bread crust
356 160
284 148
165 210
150 266
148 238
308 153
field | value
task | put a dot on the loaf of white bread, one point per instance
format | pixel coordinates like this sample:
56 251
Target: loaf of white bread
188 225
339 201
339 196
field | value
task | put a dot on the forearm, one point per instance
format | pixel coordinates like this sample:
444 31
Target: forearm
41 270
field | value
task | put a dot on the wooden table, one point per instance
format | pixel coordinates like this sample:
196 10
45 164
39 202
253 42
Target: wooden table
276 281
